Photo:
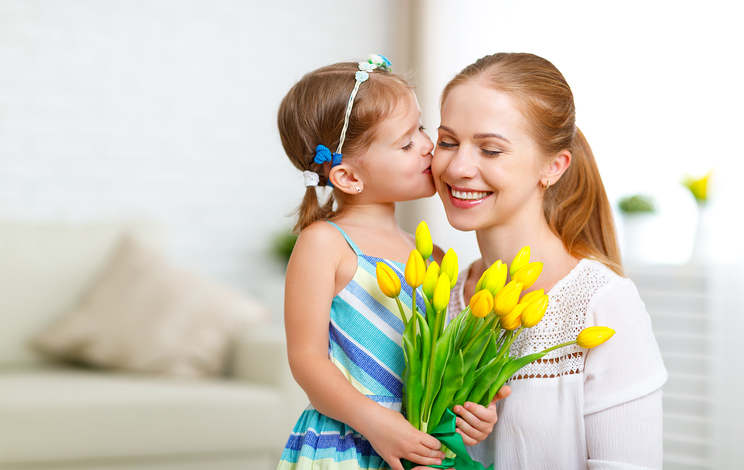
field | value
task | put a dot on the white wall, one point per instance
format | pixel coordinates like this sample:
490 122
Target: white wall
167 109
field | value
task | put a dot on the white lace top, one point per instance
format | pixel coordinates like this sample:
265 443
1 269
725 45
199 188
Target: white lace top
577 408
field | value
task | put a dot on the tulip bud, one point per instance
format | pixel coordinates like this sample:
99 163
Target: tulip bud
534 311
449 266
423 240
430 279
481 304
521 259
505 300
530 296
594 336
496 278
415 269
388 280
513 319
441 293
528 274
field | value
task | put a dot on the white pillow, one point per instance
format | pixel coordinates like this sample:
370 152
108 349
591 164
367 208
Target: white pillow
147 315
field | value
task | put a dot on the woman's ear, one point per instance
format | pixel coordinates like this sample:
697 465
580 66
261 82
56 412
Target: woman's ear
345 178
556 168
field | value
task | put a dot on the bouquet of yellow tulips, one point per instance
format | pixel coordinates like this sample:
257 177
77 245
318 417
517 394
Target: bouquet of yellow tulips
469 359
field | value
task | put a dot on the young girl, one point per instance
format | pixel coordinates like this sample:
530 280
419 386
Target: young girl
511 165
343 335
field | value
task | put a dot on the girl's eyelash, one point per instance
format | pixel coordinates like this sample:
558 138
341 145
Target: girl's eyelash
409 146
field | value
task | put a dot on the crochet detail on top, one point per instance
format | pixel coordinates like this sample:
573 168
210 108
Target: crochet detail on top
563 320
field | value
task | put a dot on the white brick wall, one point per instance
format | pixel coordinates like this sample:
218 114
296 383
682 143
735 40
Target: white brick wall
166 109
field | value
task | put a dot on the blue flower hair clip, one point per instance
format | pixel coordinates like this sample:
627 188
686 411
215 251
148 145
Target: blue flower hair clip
323 154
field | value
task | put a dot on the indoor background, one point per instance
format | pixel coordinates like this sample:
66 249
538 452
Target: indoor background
165 111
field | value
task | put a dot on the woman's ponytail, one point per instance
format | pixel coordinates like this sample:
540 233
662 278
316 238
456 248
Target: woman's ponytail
578 211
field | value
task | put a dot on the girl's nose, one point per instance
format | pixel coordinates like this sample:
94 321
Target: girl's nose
428 147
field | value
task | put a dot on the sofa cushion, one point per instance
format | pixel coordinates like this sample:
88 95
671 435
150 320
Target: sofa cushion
44 271
146 314
51 415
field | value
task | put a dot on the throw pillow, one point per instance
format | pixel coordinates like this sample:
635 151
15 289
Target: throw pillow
147 315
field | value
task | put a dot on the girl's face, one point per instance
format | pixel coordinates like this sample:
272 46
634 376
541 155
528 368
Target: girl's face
397 165
487 168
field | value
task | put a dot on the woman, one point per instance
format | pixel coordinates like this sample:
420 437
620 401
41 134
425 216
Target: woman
511 165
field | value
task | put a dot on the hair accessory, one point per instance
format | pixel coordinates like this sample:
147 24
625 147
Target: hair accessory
322 153
374 61
311 178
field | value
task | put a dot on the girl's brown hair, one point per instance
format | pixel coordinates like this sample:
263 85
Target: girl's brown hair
576 207
312 113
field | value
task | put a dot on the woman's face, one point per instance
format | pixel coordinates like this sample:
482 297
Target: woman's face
486 167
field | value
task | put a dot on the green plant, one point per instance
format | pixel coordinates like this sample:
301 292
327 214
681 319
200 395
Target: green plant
638 203
282 245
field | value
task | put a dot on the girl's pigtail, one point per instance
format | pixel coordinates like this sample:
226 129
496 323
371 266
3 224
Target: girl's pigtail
311 210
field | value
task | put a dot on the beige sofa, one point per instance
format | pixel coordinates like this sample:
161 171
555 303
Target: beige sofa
54 415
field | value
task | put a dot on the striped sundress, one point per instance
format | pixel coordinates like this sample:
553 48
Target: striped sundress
365 344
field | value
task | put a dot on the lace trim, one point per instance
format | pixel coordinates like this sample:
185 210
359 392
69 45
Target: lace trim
564 319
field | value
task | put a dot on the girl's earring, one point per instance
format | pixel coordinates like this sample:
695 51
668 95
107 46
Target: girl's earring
359 190
547 185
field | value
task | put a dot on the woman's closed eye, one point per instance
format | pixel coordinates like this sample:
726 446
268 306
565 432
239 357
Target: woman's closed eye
446 145
491 153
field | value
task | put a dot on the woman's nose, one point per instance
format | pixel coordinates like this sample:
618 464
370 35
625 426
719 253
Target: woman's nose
462 165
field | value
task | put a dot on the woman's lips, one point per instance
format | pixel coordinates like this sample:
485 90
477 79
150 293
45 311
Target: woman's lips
465 198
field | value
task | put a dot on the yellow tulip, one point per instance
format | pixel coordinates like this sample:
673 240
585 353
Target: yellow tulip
481 304
423 240
388 281
415 269
521 259
534 311
530 296
449 266
496 277
441 293
506 299
594 336
698 187
430 279
513 319
528 274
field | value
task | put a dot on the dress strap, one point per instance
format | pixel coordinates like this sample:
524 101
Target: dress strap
348 239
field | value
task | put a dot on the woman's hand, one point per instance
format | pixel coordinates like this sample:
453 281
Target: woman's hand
394 439
475 422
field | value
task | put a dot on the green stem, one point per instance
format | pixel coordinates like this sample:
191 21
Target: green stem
511 336
402 312
413 310
558 346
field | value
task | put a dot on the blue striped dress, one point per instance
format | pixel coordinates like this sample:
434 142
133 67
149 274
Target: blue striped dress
365 344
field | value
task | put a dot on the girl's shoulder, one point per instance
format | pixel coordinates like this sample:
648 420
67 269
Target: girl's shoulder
321 239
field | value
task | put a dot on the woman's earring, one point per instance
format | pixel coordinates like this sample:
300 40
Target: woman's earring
547 185
359 190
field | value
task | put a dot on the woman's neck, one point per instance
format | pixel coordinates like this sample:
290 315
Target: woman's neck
503 242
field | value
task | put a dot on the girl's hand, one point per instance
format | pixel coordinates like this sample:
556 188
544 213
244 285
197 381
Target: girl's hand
475 422
394 439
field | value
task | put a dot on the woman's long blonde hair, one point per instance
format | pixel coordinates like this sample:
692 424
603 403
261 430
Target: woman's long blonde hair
576 207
